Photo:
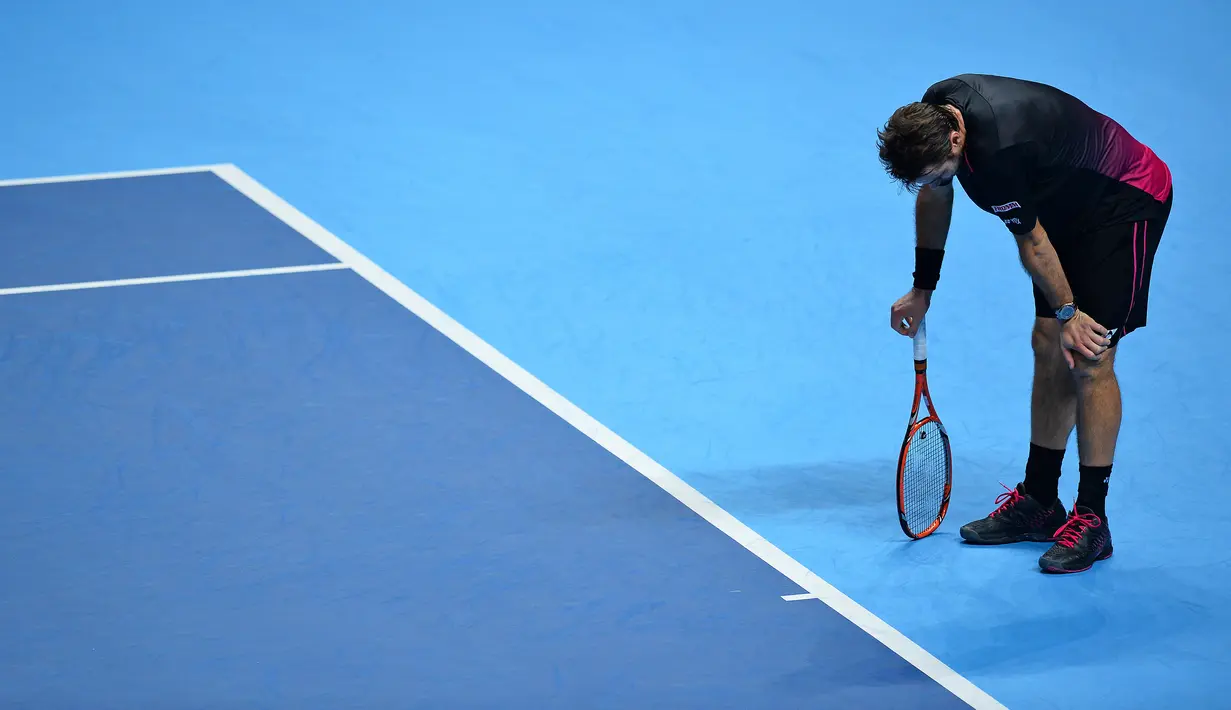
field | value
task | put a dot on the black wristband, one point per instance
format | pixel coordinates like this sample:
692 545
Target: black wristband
927 267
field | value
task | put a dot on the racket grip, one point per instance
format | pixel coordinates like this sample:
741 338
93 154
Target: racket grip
921 341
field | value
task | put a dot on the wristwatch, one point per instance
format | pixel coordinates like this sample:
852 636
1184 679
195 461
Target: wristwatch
1065 312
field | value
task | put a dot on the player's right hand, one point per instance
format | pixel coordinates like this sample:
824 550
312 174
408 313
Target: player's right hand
907 312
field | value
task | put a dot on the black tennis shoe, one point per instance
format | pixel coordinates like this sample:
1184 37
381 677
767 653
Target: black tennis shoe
1020 518
1083 540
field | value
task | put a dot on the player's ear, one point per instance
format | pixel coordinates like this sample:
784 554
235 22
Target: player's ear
955 137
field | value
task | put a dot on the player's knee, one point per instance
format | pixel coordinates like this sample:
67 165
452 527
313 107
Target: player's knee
1090 372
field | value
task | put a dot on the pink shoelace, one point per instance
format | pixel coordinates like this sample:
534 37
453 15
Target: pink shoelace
1070 533
1006 500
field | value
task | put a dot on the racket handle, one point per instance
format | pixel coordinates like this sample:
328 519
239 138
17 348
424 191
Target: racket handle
921 341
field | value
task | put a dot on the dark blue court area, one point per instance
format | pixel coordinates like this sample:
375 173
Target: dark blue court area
285 490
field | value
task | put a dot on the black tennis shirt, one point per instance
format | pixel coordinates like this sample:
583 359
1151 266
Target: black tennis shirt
1033 151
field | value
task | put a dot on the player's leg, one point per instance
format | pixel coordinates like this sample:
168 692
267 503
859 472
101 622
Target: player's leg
1053 406
1032 511
1085 537
1098 426
1053 396
1111 283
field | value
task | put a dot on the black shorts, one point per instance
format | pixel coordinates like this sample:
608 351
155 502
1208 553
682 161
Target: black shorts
1108 270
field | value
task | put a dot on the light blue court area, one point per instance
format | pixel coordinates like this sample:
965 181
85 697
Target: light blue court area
268 473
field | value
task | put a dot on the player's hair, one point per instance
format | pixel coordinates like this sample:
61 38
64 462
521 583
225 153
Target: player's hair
915 138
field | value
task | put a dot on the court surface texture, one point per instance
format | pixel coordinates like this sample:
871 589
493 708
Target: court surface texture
480 354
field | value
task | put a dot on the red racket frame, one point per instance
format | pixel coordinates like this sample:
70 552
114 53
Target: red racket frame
922 394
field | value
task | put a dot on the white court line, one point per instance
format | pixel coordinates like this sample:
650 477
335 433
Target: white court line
569 412
107 176
566 410
81 285
798 597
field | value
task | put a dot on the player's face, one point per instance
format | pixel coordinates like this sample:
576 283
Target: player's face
942 173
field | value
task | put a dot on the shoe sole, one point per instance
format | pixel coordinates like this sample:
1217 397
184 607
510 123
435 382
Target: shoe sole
974 539
1060 570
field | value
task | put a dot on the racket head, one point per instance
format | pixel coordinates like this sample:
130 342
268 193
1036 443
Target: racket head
925 471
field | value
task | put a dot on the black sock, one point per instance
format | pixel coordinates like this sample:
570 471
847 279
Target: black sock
1092 488
1043 474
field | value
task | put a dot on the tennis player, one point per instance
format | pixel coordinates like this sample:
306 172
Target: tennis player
1086 204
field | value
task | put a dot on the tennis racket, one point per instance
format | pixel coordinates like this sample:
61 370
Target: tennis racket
925 464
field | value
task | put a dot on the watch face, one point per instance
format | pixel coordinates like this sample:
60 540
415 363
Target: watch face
1066 312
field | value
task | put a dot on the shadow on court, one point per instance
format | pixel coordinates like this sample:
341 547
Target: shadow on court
985 611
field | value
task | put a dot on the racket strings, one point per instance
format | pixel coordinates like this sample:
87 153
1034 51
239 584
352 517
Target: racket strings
925 476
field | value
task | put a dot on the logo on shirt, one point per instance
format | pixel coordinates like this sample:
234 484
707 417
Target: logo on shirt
1011 220
1006 207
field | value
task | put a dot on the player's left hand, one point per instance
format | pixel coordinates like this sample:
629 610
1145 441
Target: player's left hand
1084 335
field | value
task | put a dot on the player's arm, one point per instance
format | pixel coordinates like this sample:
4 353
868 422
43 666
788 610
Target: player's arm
1012 201
933 210
1039 258
1037 254
1081 333
933 214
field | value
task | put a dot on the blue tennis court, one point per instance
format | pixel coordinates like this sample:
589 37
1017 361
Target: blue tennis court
486 354
250 469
